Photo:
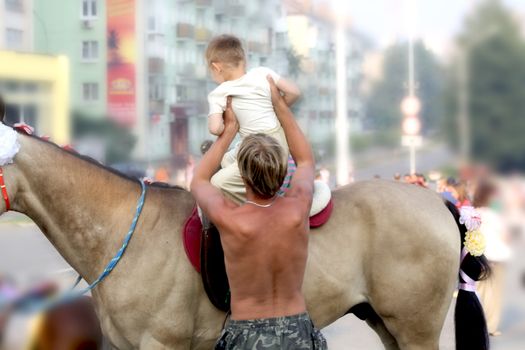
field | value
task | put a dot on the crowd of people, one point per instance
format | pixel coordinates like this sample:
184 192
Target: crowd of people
500 203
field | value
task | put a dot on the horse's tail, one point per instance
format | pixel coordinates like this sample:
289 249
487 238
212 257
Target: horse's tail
471 326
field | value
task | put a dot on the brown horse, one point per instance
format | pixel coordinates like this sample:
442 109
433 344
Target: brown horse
71 326
391 250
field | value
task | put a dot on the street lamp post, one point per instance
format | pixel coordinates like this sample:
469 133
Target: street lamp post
341 121
411 106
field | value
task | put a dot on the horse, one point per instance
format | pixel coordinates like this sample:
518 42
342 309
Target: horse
390 253
69 326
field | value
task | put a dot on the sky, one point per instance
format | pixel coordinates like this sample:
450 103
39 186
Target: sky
438 21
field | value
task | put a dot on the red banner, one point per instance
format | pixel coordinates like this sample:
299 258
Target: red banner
122 54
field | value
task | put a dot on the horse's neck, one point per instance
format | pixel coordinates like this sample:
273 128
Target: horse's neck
82 209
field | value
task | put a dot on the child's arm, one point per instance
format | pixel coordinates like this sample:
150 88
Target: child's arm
291 92
215 124
215 120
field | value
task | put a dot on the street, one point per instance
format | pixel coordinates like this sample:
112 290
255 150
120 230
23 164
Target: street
28 257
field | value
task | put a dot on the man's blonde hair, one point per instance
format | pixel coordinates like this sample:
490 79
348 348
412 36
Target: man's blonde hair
225 49
262 164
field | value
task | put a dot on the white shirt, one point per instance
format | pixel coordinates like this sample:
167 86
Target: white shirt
252 101
493 227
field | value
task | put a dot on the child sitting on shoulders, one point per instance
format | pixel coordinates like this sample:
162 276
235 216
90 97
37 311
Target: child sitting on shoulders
251 103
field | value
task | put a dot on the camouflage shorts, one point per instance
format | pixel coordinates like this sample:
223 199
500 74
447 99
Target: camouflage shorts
287 333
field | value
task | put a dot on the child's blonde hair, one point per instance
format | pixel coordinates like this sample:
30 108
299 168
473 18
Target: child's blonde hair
262 164
225 49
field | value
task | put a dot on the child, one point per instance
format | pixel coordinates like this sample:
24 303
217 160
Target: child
251 103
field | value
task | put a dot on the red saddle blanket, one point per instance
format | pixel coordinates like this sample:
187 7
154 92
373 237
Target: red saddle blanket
193 227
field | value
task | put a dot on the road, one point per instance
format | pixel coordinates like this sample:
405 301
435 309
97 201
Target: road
28 256
385 163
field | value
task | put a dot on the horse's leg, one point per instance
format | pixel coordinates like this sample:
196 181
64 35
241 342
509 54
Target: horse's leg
150 343
420 333
376 323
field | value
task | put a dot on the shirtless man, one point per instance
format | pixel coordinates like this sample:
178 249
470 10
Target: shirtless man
265 240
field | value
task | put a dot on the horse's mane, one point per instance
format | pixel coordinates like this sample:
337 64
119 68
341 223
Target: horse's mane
101 166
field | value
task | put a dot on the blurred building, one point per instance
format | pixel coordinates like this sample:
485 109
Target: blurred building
142 62
36 91
34 87
77 30
307 36
16 25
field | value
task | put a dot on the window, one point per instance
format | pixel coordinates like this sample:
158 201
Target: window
14 5
200 20
182 93
89 9
14 38
90 92
90 50
152 24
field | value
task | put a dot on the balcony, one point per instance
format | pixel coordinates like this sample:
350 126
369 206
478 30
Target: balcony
227 7
202 34
186 70
155 49
185 31
156 66
14 6
202 3
258 47
236 10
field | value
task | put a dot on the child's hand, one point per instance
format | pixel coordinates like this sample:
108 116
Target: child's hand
230 120
277 98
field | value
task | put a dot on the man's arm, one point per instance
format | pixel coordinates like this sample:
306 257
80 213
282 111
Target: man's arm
208 197
302 184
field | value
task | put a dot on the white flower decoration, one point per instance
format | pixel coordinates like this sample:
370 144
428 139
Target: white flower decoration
9 145
470 217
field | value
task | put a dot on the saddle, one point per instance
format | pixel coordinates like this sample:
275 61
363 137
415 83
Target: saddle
204 249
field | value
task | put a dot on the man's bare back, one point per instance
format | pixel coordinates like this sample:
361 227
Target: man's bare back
265 240
265 252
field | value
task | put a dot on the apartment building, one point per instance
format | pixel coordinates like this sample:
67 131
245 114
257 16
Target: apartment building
16 25
76 29
34 87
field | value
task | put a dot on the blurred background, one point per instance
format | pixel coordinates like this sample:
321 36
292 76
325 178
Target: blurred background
426 92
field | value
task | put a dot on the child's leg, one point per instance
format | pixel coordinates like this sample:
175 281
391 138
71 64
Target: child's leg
229 158
229 180
279 135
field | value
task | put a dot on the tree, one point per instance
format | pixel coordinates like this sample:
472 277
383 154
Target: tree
383 105
294 62
118 140
495 58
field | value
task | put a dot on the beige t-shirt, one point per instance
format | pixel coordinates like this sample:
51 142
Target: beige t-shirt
252 101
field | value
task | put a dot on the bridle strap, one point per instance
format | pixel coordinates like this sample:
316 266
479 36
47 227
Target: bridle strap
4 191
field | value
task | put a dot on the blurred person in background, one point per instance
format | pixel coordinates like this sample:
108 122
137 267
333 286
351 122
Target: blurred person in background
162 175
461 194
421 180
190 167
324 175
486 201
8 293
447 190
205 146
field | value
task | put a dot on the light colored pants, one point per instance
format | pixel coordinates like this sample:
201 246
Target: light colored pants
228 178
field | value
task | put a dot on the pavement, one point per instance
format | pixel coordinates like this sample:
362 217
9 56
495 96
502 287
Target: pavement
28 257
